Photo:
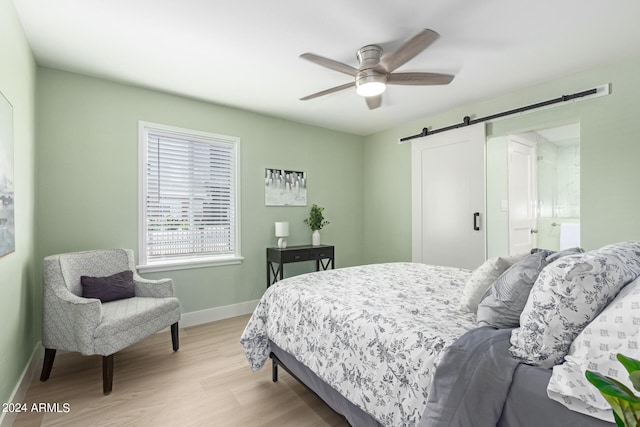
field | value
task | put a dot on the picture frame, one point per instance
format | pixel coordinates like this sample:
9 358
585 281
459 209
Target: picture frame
285 187
7 197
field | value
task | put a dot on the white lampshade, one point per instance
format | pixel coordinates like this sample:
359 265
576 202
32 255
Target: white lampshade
282 229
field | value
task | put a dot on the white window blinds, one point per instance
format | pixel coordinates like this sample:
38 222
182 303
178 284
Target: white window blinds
189 201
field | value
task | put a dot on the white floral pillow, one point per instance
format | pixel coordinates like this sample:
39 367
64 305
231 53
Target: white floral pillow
567 295
615 330
482 278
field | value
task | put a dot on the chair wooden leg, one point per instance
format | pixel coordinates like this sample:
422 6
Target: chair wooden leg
107 374
174 337
47 364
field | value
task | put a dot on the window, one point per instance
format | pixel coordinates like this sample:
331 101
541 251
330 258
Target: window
189 213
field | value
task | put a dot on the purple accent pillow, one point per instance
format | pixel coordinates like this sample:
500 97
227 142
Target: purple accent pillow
111 288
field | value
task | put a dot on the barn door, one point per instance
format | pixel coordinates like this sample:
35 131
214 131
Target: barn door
448 198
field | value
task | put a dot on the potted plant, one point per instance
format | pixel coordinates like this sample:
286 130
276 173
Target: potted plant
316 222
625 404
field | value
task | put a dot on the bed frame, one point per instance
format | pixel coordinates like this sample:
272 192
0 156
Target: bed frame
338 403
527 404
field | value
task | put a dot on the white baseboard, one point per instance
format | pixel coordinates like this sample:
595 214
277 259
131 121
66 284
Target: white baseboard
20 391
217 313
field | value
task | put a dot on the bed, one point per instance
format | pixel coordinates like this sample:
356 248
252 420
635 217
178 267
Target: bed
368 339
358 344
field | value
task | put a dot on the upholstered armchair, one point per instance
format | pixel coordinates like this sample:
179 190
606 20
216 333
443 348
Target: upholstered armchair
72 322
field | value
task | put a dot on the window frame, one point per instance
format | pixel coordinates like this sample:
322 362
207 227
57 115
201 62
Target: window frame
189 261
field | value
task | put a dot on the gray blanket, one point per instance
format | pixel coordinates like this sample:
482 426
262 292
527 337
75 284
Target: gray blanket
472 381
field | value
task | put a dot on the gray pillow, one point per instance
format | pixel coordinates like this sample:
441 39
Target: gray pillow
505 299
571 251
110 288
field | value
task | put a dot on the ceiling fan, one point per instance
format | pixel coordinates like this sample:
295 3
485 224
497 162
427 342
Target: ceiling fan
376 70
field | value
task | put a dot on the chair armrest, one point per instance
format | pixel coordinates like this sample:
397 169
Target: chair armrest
69 321
153 288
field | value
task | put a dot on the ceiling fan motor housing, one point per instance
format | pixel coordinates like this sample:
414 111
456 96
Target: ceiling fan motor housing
368 81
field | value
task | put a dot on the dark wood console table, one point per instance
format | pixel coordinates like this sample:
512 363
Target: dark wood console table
323 255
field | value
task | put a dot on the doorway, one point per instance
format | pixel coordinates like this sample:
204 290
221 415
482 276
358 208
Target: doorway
544 189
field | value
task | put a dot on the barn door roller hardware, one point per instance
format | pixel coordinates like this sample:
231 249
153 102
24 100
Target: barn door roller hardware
466 121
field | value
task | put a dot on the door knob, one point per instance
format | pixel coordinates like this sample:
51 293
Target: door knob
534 230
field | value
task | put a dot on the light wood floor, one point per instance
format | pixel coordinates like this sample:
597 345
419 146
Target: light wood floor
207 382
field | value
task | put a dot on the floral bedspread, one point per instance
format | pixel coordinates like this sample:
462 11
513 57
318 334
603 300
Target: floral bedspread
375 333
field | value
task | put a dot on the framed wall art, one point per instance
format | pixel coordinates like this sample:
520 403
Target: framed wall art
285 188
7 225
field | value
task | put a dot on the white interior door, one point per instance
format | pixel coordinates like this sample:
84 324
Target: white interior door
522 195
448 198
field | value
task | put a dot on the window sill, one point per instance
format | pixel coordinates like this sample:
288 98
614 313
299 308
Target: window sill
189 264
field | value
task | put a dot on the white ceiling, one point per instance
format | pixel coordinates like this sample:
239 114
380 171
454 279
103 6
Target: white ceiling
245 53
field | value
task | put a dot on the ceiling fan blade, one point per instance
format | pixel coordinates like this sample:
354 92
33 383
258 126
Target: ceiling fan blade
328 91
330 63
419 79
373 102
407 51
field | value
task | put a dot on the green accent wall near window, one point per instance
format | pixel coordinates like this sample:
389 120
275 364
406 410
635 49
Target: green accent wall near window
88 179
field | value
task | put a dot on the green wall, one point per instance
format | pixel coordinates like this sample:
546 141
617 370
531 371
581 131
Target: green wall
88 179
19 319
609 150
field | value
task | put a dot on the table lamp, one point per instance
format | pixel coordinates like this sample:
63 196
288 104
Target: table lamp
282 231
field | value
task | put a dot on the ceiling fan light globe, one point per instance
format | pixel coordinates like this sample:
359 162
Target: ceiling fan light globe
370 89
370 83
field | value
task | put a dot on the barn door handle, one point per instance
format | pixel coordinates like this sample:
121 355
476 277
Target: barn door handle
476 215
